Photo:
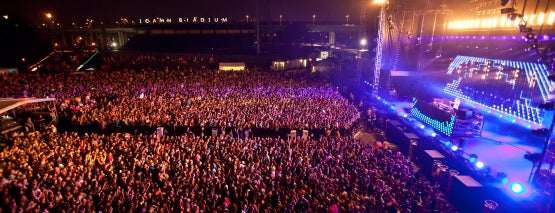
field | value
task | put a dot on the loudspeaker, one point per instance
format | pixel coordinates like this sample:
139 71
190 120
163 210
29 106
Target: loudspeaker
428 159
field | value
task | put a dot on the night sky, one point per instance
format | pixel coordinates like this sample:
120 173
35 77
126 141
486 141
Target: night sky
68 11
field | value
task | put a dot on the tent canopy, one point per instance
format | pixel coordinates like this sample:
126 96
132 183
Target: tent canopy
6 104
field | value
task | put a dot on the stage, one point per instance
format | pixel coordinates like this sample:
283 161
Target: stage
501 148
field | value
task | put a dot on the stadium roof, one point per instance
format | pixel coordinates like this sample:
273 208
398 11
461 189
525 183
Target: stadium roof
7 104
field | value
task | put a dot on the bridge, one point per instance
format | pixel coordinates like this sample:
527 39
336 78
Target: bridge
115 37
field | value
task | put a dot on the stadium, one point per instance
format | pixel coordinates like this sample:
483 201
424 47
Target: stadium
399 106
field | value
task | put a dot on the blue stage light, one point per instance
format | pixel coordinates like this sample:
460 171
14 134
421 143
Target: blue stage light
422 126
434 134
479 165
505 180
454 148
517 187
448 143
472 158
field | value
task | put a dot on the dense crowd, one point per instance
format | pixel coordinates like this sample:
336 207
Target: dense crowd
51 171
69 172
169 93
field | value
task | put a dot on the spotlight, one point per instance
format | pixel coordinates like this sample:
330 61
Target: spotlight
448 143
473 158
517 187
479 165
503 177
454 148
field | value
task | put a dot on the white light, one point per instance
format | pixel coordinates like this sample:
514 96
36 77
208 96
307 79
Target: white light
479 164
363 42
379 1
541 17
114 44
531 20
5 16
551 18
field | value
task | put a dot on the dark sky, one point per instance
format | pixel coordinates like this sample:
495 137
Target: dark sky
67 11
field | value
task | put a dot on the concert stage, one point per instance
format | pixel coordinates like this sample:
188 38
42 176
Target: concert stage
501 148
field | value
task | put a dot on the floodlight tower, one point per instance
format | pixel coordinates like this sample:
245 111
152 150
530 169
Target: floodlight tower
379 46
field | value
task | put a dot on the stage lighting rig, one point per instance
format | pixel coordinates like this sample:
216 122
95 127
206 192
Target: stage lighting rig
509 10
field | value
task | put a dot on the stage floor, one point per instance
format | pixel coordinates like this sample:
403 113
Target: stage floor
501 147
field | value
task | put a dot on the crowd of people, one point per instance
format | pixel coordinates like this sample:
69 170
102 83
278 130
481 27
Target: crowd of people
70 172
169 93
47 170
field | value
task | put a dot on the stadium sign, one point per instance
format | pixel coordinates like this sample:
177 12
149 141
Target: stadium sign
194 19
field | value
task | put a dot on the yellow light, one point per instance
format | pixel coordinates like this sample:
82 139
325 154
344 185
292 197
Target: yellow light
484 23
489 23
379 1
551 18
477 23
450 25
541 17
531 20
494 22
517 21
5 16
502 20
468 24
48 15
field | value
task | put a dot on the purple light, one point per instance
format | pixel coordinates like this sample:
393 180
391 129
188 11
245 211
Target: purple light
546 37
